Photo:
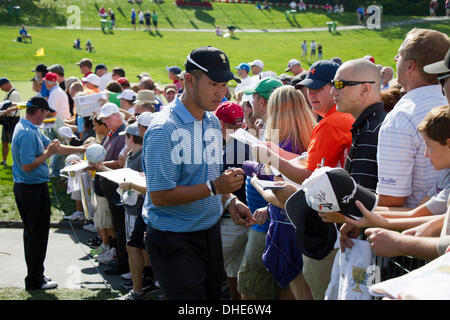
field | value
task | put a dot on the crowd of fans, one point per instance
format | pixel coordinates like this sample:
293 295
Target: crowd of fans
199 220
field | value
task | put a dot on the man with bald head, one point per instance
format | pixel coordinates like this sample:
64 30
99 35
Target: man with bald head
356 90
387 73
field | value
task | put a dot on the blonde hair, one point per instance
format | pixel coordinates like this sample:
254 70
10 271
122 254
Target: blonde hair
289 116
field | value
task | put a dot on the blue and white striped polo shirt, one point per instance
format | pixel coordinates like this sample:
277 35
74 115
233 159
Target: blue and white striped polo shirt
180 150
403 169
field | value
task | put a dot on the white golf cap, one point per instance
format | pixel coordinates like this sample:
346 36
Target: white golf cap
108 109
127 94
145 118
92 78
66 132
292 63
257 63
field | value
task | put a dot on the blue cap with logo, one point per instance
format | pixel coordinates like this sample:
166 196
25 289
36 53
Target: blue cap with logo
319 74
243 66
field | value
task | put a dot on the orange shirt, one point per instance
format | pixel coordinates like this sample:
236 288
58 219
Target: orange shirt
331 139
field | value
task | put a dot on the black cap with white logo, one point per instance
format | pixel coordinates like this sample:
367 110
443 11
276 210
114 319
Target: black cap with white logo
213 62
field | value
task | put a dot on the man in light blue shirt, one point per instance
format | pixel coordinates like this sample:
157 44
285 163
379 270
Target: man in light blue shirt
185 188
30 149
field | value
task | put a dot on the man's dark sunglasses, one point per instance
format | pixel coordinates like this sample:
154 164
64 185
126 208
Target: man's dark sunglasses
340 84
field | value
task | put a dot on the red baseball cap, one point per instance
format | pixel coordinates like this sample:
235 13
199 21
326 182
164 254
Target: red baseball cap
123 81
51 76
230 112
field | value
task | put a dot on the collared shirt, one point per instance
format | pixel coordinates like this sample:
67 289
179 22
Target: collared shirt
28 143
331 139
361 160
180 150
59 102
403 170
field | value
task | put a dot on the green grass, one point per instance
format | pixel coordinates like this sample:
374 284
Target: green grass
57 294
243 16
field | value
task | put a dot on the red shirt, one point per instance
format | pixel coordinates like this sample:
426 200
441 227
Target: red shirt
331 139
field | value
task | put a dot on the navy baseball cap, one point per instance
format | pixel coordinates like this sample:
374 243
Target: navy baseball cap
3 81
212 61
243 66
319 74
100 66
174 69
39 102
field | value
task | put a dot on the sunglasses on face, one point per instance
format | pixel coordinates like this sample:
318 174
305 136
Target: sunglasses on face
441 79
340 84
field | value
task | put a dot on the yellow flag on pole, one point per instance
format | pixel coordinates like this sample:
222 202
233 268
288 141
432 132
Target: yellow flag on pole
40 52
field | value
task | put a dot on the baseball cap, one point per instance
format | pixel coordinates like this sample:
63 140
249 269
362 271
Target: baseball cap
265 87
230 112
214 62
132 129
108 109
319 74
442 66
92 78
145 118
66 132
142 75
145 96
370 58
243 66
292 63
123 81
40 68
181 75
3 81
50 76
174 69
100 66
85 62
169 88
257 63
127 94
39 102
297 79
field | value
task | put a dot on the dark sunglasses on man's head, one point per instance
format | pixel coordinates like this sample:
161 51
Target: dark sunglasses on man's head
340 84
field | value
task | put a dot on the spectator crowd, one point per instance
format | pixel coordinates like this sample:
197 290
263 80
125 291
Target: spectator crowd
219 167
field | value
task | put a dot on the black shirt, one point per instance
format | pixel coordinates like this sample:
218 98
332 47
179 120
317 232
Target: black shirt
361 160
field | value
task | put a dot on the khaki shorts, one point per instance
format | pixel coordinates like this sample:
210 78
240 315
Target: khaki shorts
254 280
234 240
317 273
102 215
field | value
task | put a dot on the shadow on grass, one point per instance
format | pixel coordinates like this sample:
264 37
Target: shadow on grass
204 16
165 16
229 18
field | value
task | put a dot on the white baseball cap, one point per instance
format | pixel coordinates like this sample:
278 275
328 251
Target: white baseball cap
108 109
66 132
145 118
292 63
92 78
127 94
257 63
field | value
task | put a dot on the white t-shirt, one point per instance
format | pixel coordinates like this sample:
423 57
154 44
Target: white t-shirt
403 170
313 45
59 102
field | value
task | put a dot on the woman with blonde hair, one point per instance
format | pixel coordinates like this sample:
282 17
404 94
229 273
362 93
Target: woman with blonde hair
289 124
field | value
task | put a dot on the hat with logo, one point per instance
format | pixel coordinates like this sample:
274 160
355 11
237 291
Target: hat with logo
214 62
243 66
230 113
257 63
142 75
3 81
42 68
127 94
66 132
442 66
326 190
265 87
93 79
145 96
100 66
292 63
145 118
50 76
39 102
85 62
174 69
319 74
132 129
108 109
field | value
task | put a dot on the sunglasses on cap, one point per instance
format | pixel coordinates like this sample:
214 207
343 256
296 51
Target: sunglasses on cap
340 84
